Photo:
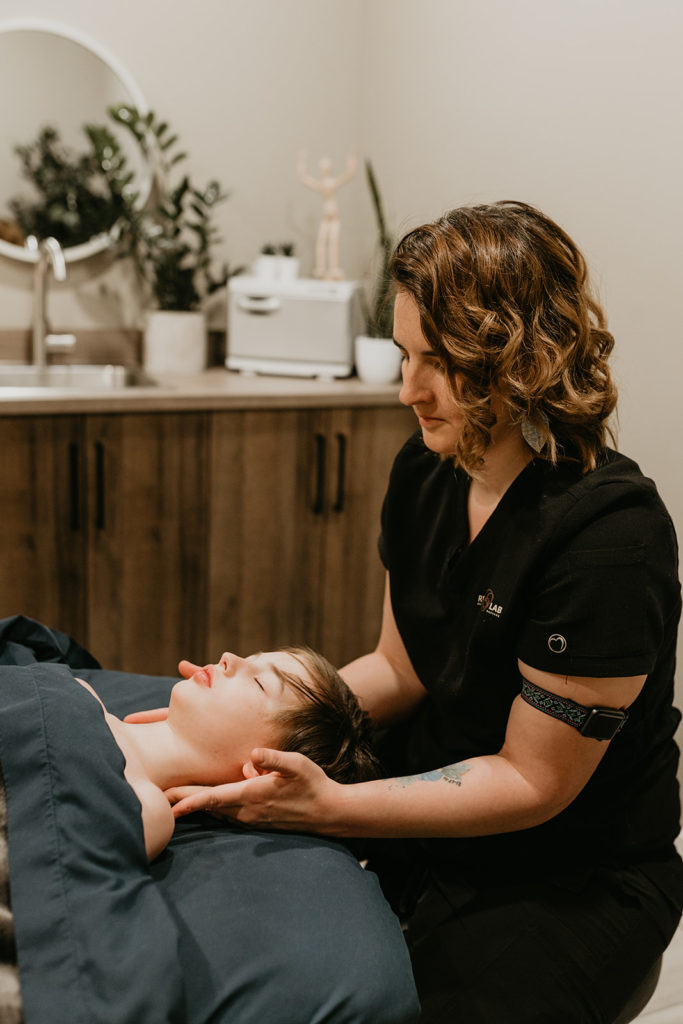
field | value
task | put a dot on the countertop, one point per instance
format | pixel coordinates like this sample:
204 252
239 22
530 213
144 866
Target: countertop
213 389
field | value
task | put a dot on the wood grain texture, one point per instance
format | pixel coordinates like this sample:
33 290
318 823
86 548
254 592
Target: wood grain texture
150 537
148 520
42 567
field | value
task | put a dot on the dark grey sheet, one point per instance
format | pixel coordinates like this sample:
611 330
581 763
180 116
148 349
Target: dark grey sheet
226 926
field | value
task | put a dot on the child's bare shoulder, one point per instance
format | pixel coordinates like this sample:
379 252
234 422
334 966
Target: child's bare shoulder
158 822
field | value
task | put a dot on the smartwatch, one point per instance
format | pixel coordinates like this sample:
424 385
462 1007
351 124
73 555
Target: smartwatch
595 723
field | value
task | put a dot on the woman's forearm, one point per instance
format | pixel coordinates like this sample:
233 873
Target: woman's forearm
542 766
481 796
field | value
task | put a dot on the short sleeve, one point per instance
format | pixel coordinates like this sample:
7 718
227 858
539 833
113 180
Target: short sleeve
600 607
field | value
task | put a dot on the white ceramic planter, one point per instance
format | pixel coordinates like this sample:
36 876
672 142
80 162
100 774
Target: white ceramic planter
266 266
288 268
276 268
175 342
378 361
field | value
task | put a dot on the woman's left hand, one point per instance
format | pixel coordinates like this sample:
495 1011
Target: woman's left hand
281 790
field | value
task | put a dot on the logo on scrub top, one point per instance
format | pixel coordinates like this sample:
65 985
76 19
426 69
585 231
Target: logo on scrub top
487 603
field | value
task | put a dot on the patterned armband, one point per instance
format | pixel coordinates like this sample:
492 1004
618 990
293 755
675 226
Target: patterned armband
596 723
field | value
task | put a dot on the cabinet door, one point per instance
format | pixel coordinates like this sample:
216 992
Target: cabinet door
148 521
295 503
364 443
266 544
42 541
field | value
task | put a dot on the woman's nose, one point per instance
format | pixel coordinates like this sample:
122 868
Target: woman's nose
414 390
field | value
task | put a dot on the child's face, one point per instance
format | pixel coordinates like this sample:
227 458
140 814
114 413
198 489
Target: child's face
227 709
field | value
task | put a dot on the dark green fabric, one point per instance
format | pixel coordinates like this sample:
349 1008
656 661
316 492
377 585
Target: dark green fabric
227 926
94 936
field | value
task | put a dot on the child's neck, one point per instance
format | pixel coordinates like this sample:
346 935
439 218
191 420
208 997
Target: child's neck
155 750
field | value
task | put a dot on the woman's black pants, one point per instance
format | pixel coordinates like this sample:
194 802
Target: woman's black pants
560 951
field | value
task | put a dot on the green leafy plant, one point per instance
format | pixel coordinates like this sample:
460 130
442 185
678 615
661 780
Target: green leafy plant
70 199
379 313
171 238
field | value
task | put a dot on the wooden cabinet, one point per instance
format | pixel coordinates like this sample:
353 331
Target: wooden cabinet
154 536
102 532
259 566
363 444
146 552
42 556
294 520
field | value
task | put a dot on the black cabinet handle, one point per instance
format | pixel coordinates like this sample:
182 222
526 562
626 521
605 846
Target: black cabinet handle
341 473
74 488
320 472
99 486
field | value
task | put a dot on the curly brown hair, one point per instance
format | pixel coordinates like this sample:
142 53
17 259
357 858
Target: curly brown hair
328 725
504 299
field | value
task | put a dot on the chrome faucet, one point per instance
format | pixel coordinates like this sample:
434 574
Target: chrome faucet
49 251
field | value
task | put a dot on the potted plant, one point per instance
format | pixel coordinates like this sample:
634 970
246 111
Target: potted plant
277 262
67 201
265 264
377 358
170 239
288 269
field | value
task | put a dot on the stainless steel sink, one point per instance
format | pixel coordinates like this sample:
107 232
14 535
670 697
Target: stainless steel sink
80 377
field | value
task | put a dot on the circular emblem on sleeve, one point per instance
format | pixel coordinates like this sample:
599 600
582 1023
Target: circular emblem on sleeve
557 643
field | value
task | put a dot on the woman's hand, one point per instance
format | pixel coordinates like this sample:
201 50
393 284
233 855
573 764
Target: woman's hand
139 717
281 790
186 669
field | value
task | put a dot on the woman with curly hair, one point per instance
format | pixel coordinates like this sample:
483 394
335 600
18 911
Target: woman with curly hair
524 672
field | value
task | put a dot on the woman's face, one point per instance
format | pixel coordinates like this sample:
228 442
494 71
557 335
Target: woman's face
427 389
227 709
425 385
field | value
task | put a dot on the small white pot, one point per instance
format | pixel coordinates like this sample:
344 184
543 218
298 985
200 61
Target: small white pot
266 266
175 342
276 268
378 361
288 268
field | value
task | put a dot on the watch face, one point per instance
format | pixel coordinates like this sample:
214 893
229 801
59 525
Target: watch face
603 723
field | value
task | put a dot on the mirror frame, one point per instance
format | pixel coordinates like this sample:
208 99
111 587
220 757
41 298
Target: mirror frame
98 243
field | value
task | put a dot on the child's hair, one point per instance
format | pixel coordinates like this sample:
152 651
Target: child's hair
328 725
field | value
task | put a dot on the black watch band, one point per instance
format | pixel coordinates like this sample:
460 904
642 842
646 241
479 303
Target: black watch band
596 723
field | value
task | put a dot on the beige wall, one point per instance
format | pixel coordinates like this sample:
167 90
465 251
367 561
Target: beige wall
574 106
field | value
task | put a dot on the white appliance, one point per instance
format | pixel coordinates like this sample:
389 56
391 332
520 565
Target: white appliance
300 328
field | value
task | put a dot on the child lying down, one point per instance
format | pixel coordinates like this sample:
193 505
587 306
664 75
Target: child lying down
291 699
228 925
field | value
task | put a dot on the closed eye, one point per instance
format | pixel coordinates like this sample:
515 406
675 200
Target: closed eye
258 683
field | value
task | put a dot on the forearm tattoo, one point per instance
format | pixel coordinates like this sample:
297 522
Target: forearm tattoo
451 773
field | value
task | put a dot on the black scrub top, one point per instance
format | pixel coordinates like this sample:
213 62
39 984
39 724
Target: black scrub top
573 574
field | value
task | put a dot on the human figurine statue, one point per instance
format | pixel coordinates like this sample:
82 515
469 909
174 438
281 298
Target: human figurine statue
327 245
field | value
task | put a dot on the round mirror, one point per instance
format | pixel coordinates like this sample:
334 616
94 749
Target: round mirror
59 80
